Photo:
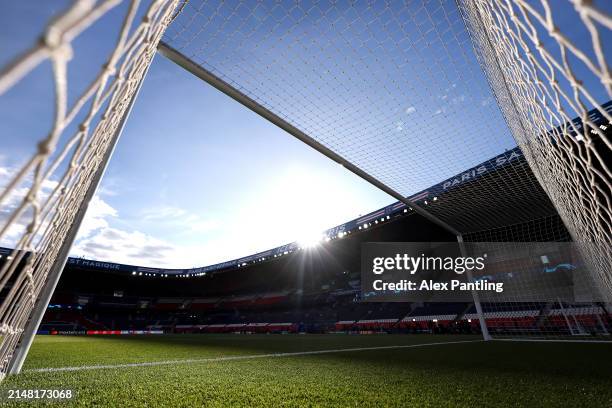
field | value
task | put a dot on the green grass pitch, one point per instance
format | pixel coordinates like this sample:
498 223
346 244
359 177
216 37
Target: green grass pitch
221 371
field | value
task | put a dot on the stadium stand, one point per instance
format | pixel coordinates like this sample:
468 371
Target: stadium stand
291 290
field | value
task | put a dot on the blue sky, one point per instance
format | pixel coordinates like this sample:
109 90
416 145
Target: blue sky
198 179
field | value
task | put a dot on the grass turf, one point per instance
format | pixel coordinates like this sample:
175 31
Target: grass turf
508 374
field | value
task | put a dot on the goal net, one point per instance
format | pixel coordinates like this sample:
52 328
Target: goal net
547 64
45 199
412 93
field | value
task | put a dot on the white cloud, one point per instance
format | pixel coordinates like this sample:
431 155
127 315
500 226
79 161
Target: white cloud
410 110
486 101
99 239
14 199
96 217
96 239
130 247
180 219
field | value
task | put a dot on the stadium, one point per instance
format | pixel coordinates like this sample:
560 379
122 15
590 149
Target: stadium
502 151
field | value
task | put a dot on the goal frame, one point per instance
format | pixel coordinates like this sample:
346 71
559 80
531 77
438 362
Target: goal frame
32 271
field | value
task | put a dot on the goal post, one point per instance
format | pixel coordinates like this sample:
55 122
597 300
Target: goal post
47 197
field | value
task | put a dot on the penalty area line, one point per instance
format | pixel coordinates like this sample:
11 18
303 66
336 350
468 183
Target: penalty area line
244 357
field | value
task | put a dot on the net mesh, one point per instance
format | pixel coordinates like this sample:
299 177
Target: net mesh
551 317
416 92
40 202
543 77
393 87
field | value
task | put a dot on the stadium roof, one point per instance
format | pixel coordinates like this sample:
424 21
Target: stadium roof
436 198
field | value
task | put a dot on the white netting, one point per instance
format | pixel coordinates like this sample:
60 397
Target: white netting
393 87
45 194
539 304
546 69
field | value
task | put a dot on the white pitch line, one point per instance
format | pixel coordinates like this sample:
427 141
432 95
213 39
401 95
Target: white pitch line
233 358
